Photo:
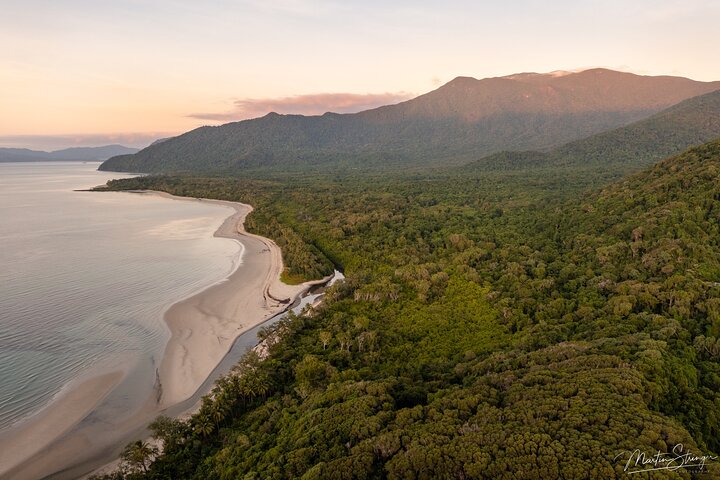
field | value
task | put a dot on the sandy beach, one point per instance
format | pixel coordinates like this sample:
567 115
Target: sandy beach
63 442
44 428
204 326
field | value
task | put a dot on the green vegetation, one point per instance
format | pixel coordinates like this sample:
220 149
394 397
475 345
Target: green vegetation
459 122
497 325
297 143
692 122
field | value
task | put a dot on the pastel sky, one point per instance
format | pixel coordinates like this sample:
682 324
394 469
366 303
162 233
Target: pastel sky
130 71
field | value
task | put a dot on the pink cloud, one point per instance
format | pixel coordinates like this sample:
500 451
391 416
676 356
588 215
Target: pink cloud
313 104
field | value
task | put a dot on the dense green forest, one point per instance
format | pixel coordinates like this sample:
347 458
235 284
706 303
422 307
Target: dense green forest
640 144
495 325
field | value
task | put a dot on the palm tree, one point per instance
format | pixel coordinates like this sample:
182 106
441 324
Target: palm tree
247 388
262 386
218 414
203 425
220 386
138 455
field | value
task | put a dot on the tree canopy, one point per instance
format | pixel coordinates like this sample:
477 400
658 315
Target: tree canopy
491 325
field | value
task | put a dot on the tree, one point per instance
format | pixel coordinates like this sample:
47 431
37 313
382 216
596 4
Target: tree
138 455
167 429
203 425
312 373
325 338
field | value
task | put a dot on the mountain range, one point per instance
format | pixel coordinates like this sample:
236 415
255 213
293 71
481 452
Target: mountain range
67 154
691 122
459 122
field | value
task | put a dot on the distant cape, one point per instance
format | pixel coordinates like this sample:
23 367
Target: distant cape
67 154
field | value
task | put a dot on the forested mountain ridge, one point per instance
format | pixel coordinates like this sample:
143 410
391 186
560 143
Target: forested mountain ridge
691 122
479 334
74 153
458 122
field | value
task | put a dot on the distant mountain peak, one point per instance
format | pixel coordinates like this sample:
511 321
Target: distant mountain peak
535 75
465 117
462 80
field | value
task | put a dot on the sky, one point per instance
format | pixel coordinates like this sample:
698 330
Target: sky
91 72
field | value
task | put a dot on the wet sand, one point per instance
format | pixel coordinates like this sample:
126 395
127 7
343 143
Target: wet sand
42 429
202 328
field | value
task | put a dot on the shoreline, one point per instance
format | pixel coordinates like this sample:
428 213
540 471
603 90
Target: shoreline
64 412
203 328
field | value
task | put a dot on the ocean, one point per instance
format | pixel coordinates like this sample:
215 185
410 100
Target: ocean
85 278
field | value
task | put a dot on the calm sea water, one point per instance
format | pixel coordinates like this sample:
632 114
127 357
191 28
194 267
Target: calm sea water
85 278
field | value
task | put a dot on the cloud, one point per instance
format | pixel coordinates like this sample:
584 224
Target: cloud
57 142
313 104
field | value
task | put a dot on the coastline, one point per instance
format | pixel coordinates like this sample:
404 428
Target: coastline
203 328
69 408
